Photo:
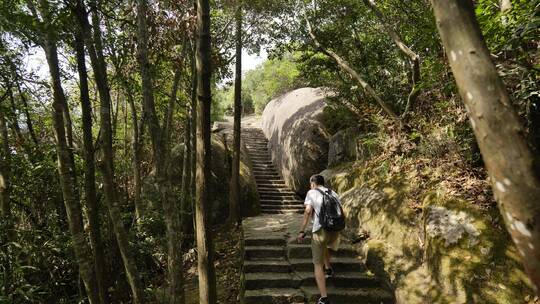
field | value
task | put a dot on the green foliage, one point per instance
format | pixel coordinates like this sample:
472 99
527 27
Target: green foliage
271 79
38 267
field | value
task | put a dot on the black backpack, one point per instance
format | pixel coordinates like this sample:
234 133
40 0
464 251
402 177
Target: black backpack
331 216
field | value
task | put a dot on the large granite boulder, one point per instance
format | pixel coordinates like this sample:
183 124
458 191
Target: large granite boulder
343 146
297 139
222 145
219 182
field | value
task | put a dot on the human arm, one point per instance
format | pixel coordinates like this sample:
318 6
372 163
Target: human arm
305 220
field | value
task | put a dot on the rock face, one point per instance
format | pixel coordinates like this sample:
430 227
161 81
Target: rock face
219 182
343 146
296 137
449 252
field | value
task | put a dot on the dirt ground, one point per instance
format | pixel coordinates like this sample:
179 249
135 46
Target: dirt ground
227 261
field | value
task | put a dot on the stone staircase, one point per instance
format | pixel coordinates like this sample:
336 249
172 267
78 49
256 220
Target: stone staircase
275 196
276 268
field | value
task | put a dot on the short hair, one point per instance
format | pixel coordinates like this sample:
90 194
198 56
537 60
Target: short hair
317 179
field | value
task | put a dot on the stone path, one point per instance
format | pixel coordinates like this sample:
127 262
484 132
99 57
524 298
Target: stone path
275 196
276 267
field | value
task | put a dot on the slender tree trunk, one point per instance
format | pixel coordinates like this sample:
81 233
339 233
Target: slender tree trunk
160 148
136 157
534 125
205 250
234 197
95 51
65 169
509 160
185 214
92 209
29 123
413 57
346 67
14 119
193 130
5 202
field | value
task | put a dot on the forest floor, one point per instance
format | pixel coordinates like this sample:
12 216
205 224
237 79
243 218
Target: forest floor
227 261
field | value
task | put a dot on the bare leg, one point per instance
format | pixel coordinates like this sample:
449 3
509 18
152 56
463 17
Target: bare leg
327 258
321 280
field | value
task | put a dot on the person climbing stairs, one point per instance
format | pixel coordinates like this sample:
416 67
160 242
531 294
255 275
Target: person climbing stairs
276 267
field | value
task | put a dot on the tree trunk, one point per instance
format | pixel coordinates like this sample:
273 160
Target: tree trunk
413 57
136 158
186 218
207 279
13 118
5 202
160 148
509 160
345 66
65 169
193 131
234 198
107 167
92 209
29 123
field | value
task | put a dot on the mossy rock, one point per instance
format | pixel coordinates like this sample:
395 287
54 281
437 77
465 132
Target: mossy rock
423 258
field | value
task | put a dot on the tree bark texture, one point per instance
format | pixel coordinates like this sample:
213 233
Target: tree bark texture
161 149
508 159
207 278
107 167
186 210
92 209
65 166
234 197
5 202
136 152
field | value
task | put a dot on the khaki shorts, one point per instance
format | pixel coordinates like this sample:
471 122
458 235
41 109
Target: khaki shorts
321 240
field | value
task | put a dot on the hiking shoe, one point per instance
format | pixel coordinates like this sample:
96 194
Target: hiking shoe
329 272
323 301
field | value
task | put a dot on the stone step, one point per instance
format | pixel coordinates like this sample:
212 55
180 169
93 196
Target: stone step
341 279
273 188
275 181
303 251
263 252
269 170
258 146
277 196
358 295
256 158
259 280
282 211
257 163
274 296
274 202
265 169
263 241
276 192
280 266
282 207
339 264
268 176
